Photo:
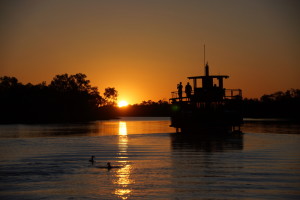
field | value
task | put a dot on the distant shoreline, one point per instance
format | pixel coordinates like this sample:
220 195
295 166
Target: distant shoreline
246 120
260 119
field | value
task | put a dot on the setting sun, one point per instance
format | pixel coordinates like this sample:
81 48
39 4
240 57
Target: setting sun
122 103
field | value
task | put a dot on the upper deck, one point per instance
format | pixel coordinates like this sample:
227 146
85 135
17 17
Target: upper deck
208 88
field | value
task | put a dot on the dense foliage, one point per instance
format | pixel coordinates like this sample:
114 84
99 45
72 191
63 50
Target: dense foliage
68 98
277 105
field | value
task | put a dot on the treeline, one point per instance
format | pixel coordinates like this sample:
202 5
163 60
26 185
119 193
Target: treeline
148 108
71 98
277 105
68 98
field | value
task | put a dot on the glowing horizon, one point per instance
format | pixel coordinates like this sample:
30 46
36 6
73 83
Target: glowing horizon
122 103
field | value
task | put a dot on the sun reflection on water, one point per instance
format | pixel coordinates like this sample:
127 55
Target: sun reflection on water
123 139
122 128
123 180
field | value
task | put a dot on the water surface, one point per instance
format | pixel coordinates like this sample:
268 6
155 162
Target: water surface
51 161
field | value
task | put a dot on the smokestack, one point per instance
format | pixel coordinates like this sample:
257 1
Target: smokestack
206 70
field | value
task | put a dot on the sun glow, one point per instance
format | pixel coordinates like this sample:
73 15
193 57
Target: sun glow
122 103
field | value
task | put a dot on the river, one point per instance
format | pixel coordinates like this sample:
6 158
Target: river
52 161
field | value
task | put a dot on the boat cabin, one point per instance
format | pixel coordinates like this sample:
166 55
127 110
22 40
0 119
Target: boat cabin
211 89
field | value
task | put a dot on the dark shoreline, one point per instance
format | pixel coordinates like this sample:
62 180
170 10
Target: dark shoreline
270 119
246 120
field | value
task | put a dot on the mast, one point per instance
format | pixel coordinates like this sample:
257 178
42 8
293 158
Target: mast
204 56
206 68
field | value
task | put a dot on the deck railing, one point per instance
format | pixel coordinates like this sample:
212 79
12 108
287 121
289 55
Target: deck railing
233 94
176 96
229 94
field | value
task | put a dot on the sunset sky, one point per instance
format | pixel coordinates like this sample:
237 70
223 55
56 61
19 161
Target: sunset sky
144 48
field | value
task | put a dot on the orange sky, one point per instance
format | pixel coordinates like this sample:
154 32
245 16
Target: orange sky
144 48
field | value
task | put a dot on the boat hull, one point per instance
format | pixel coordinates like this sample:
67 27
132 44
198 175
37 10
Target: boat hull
204 123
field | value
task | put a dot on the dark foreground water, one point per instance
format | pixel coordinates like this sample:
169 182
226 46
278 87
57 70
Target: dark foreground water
51 162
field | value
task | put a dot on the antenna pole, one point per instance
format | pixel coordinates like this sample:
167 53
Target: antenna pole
204 54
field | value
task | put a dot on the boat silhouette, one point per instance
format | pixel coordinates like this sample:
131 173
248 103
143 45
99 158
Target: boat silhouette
208 107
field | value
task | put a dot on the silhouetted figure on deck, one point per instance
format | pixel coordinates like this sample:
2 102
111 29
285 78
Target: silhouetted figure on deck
188 91
179 88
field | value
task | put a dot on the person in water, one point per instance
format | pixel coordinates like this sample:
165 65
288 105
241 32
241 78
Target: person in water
109 165
179 88
92 160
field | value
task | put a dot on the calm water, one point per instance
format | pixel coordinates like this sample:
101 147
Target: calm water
51 162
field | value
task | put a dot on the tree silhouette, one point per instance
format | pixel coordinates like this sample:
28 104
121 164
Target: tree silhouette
7 82
111 96
279 104
68 98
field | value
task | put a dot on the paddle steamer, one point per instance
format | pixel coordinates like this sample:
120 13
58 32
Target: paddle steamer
208 108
